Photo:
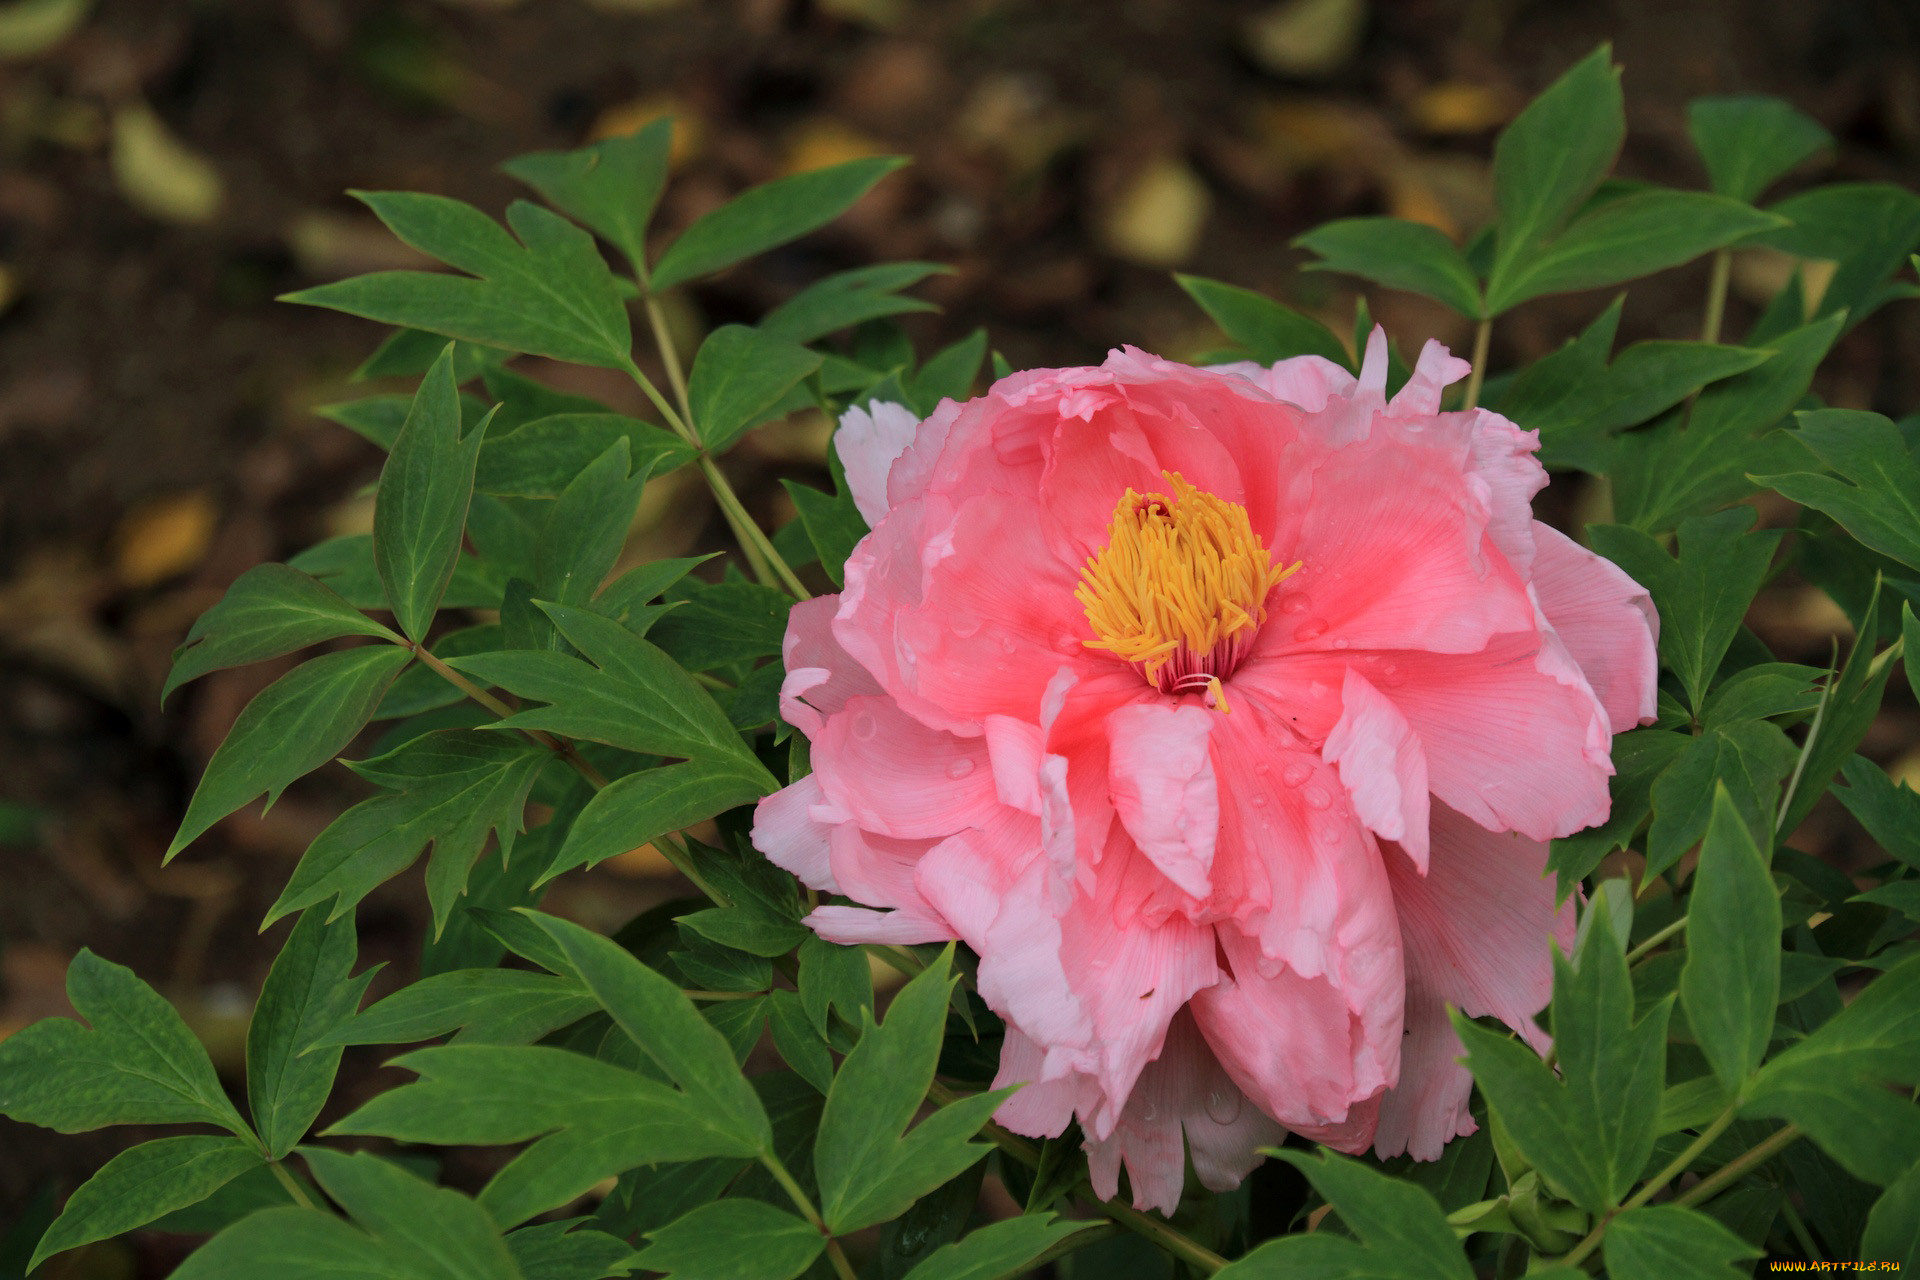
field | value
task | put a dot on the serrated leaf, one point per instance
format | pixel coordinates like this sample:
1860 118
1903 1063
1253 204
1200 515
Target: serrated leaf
1655 1242
725 622
1554 155
546 293
1867 228
269 610
143 1183
485 1006
948 374
1876 495
798 1042
1750 758
626 694
1399 254
1731 982
612 185
587 528
869 1168
1889 811
292 727
426 1230
408 353
307 994
306 1244
1763 692
1402 1233
739 376
566 1250
451 789
733 1240
1590 1131
848 298
136 1063
1670 471
421 510
998 1250
1893 1228
1852 701
346 565
541 457
1749 140
767 215
1624 239
833 523
834 977
1267 329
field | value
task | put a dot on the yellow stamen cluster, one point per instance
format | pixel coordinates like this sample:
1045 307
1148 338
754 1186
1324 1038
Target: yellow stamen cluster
1180 588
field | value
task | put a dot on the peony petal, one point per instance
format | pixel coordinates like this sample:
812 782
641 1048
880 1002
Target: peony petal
1305 381
868 442
1435 371
1605 619
1382 766
788 828
896 777
811 646
1500 463
855 926
1160 777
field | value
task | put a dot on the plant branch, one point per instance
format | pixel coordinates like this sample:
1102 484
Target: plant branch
841 1267
560 747
1653 940
798 1195
1482 337
752 540
292 1184
1710 1185
1717 295
657 321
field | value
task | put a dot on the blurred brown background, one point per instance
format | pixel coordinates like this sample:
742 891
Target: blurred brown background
168 166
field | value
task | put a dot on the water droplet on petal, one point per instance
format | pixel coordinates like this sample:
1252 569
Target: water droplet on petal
1259 802
960 768
1296 773
1295 602
1318 797
1149 1113
1390 674
1311 629
864 727
1223 1105
1260 767
1328 833
1342 643
1006 644
964 625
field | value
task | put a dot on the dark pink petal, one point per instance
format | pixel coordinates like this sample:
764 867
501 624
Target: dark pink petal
1605 619
1382 766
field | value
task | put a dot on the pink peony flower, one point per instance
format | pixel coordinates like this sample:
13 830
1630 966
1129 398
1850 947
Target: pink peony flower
1225 714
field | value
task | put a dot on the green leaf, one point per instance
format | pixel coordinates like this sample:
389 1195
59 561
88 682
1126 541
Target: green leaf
1867 228
485 1006
1893 1228
640 807
137 1064
999 1250
625 597
295 725
540 458
1889 811
567 1251
346 565
739 376
548 293
768 215
1750 140
269 610
305 1244
1877 495
1590 1131
834 977
143 1183
1624 239
1268 330
1851 703
1702 594
948 374
1656 1242
848 298
733 1240
1669 471
1732 980
1398 254
723 623
421 510
451 789
1750 758
308 993
869 1170
1578 414
426 1230
252 1191
420 688
1762 692
1554 155
587 528
798 1042
408 353
612 185
627 694
1402 1233
833 523
593 1120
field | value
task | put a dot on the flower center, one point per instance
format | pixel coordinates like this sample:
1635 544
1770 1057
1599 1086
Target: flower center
1180 589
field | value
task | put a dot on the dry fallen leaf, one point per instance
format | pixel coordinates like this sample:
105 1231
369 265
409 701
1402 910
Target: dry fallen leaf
1157 219
160 175
821 143
1306 37
623 118
1457 106
164 537
28 27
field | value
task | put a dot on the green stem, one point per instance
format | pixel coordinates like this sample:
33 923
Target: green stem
841 1267
1710 1186
1798 1225
1653 940
660 402
752 540
565 750
292 1184
802 1202
1675 1167
1717 295
657 321
723 995
674 852
1482 336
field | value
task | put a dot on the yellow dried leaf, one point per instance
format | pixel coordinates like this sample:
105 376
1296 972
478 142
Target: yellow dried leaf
1457 106
1158 218
164 537
1306 37
28 27
822 143
644 863
624 118
159 174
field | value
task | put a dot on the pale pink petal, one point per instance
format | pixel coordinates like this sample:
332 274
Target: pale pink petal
1041 1108
1436 370
1382 766
1306 381
856 926
897 777
868 442
1160 777
1477 929
788 827
1014 751
1605 619
1501 465
810 646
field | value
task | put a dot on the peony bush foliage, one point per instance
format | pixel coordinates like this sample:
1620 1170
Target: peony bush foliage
1296 859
